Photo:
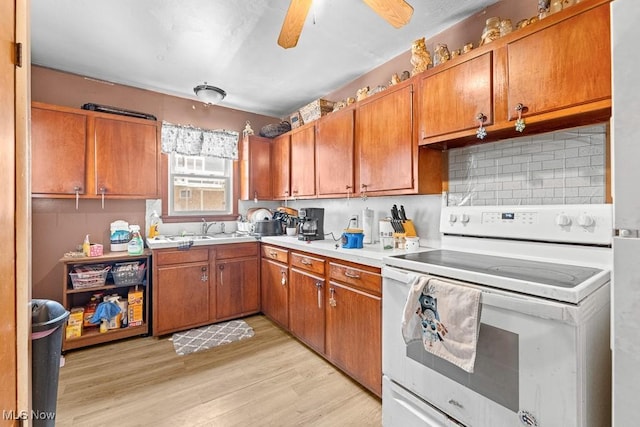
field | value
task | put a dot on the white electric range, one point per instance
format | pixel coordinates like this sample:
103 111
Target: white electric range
543 352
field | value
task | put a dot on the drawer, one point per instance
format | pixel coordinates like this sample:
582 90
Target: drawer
235 250
164 257
307 262
363 279
275 253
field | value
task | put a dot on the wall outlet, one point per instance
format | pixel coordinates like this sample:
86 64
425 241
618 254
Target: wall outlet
353 221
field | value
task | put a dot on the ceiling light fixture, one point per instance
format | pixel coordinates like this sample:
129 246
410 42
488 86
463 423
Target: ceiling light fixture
210 95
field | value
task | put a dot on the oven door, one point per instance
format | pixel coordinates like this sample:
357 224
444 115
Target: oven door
531 362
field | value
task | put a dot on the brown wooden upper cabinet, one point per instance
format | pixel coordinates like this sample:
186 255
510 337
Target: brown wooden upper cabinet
126 157
562 66
385 149
255 168
281 166
556 71
335 154
457 98
58 151
92 154
303 164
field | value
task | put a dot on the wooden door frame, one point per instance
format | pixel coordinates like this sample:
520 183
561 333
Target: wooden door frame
15 214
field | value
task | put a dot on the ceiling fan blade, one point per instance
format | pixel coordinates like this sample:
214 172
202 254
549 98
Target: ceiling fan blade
395 12
293 23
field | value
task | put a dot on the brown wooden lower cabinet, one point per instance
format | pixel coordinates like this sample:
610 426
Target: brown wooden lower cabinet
353 334
275 291
306 308
333 306
237 288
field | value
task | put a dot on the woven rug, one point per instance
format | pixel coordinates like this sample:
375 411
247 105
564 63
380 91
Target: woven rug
210 336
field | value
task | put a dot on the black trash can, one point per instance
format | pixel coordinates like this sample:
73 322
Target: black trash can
47 323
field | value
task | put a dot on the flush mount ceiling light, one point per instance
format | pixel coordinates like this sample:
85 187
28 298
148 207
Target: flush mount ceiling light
210 95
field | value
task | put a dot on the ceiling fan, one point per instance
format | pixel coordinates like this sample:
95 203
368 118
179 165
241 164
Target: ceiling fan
395 12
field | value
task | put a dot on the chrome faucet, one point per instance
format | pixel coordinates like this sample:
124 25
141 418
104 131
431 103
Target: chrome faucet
206 227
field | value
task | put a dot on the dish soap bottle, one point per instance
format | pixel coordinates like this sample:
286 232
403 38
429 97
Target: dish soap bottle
86 246
135 245
153 226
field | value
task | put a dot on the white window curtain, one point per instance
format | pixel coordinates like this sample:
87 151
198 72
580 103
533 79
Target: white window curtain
193 141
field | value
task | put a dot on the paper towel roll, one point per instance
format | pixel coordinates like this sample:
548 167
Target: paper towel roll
367 225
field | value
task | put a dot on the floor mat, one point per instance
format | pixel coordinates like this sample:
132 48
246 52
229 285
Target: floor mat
210 336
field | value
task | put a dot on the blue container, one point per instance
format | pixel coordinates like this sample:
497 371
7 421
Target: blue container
352 240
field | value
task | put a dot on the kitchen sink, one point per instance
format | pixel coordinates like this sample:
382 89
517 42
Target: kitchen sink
187 238
227 235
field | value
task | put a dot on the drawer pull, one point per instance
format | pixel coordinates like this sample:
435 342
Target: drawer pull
305 261
352 274
273 254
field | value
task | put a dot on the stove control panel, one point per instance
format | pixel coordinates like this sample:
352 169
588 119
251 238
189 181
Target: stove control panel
584 224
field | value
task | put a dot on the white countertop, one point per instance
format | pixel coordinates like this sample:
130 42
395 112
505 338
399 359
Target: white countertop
370 255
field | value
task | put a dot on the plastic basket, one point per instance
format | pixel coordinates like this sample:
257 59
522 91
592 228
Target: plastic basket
128 275
89 276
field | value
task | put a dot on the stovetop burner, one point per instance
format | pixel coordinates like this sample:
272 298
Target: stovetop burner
545 273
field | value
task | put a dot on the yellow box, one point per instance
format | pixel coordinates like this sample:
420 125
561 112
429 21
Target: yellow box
136 305
73 331
76 316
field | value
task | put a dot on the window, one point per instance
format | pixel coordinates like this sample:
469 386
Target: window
200 185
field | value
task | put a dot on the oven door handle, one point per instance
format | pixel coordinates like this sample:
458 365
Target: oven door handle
399 275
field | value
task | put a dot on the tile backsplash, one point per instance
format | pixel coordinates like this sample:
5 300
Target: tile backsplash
566 167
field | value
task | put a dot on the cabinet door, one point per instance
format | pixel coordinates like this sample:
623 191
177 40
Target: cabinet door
306 308
126 158
564 65
334 154
237 289
58 151
303 164
275 292
354 324
255 168
182 295
280 155
384 142
451 100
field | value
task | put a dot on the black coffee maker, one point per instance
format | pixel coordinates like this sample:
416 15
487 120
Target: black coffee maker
311 224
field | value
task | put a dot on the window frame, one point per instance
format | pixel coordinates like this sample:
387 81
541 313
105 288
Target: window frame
164 178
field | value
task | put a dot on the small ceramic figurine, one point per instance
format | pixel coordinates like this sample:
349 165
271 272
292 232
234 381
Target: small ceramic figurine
467 48
247 129
405 74
420 57
339 105
350 100
362 93
395 79
441 54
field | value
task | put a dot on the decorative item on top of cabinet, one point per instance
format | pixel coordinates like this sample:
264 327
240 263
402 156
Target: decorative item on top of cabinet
440 54
420 56
362 93
491 31
247 129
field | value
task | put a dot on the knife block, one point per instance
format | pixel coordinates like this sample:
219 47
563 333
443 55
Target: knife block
409 229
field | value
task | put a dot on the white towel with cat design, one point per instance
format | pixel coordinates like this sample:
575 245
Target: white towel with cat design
445 316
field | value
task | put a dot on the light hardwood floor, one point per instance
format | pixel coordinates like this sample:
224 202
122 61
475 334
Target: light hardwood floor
268 380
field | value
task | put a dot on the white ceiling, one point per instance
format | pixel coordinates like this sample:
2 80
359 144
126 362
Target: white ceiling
170 46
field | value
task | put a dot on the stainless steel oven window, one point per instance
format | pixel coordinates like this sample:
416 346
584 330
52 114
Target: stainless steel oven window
496 371
200 185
